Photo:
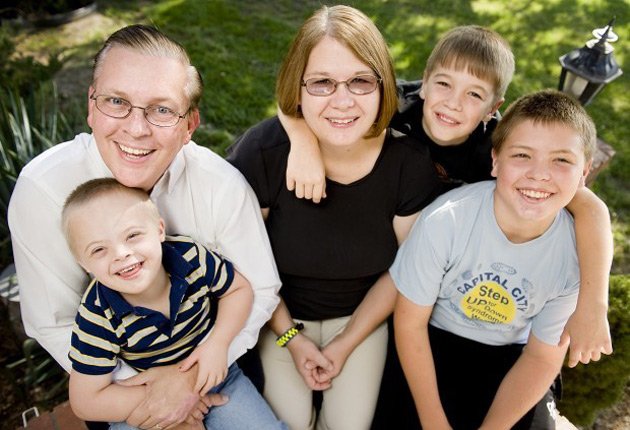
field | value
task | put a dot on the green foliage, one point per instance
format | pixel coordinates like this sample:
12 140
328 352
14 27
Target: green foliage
238 46
28 125
593 387
23 72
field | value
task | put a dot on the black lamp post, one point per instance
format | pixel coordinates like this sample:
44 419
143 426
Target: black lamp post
586 71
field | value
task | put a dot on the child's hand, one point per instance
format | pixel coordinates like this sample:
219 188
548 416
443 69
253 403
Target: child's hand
212 361
337 352
588 335
306 174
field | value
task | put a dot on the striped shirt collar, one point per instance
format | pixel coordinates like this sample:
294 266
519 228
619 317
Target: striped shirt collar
177 268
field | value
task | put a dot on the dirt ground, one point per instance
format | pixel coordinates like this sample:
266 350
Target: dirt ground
73 81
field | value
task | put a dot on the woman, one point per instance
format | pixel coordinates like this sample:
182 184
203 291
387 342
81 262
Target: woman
333 256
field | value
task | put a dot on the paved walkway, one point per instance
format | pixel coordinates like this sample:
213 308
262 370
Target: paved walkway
62 418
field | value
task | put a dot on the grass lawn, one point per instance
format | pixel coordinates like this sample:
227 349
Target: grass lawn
239 44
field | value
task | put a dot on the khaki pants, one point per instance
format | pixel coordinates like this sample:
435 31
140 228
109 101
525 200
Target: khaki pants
349 404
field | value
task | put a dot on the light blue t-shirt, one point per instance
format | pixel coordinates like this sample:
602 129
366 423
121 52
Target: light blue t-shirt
484 287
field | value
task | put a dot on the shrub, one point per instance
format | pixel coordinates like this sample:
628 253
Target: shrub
28 125
596 386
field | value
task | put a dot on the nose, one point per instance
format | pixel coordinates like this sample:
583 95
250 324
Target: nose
342 98
539 170
454 101
136 124
122 251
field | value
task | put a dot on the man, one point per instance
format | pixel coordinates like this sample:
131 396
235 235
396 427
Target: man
142 108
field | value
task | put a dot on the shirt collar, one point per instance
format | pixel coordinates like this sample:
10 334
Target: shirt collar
176 266
169 179
95 155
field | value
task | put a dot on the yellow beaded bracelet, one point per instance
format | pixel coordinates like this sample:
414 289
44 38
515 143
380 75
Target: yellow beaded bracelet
289 334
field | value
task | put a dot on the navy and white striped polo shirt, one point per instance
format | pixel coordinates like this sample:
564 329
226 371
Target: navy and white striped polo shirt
107 327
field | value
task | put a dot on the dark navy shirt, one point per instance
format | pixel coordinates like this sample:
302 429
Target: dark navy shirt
107 327
468 162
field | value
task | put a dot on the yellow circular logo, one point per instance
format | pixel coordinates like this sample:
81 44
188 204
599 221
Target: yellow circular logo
489 301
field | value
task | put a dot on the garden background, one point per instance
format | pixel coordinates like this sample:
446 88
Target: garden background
238 45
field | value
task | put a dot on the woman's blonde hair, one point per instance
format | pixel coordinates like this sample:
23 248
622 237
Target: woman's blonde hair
357 32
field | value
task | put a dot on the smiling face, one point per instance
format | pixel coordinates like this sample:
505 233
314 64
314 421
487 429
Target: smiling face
538 169
342 118
455 102
117 237
137 152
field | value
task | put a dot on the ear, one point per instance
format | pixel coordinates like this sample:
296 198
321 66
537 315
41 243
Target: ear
424 80
192 124
91 105
83 265
496 107
161 230
587 169
495 160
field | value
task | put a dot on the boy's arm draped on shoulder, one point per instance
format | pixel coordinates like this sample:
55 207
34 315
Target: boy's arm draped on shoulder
587 330
306 173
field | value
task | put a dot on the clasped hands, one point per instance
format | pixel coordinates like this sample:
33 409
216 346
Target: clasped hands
318 367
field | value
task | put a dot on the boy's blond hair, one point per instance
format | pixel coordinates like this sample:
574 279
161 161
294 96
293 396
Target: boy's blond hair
477 50
353 29
547 107
93 189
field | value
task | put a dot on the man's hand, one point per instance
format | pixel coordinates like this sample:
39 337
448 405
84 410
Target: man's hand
170 397
588 335
308 359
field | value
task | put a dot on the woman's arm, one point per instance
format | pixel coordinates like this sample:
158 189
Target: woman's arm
525 384
587 329
306 173
306 355
412 342
375 307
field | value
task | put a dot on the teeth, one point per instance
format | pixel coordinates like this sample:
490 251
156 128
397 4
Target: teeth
133 151
341 121
447 119
535 194
128 269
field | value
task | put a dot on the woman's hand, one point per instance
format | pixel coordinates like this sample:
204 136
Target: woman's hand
309 361
337 352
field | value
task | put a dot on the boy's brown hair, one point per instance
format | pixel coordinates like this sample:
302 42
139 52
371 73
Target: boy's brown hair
93 189
479 51
548 107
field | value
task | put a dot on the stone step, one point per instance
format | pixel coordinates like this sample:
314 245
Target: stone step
61 418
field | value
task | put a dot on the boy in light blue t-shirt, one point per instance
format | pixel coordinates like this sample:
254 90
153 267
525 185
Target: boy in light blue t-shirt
491 269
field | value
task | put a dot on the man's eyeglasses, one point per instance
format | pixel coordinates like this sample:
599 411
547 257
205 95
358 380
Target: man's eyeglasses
359 85
121 108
